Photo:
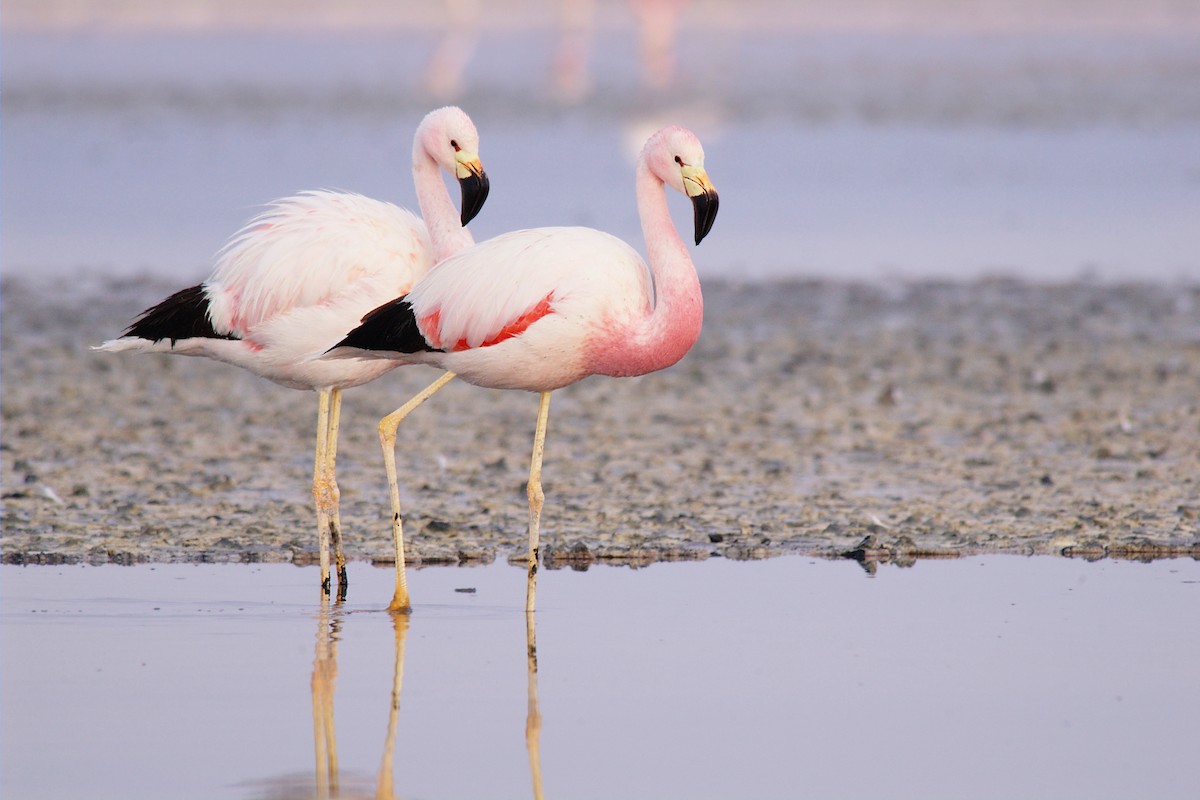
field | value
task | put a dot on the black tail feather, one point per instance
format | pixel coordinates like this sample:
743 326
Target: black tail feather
183 315
391 328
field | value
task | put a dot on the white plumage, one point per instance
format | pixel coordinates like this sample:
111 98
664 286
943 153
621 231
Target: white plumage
574 271
307 250
305 271
541 309
291 281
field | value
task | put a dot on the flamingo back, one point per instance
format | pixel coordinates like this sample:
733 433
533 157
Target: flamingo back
574 272
310 250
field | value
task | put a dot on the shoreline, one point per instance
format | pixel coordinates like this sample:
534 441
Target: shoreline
941 419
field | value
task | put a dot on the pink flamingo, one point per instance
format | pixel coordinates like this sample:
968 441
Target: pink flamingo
541 309
657 27
297 276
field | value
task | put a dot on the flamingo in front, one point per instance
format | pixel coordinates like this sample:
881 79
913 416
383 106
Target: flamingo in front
543 308
299 275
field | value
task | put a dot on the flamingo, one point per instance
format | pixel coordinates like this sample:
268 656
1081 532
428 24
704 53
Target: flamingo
306 269
541 309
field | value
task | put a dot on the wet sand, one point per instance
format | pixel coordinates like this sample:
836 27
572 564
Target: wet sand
938 418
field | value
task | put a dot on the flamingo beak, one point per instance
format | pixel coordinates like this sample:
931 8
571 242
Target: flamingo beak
474 183
699 188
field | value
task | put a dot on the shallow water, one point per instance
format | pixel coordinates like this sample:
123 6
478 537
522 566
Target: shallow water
981 677
909 156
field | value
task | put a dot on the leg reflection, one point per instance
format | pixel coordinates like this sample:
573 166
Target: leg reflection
533 717
329 626
384 787
329 633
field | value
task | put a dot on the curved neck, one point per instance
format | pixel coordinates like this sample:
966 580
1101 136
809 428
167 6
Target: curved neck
437 209
665 334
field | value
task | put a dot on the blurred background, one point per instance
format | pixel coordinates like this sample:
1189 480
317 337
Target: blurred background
1047 140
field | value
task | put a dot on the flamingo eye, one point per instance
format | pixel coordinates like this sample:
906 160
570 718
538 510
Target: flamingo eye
454 144
679 161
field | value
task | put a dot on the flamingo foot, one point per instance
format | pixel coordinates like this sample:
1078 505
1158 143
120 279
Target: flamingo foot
400 605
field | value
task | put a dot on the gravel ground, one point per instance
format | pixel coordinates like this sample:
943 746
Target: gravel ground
929 419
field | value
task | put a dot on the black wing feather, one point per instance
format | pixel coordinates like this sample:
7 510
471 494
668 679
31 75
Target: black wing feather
183 315
391 328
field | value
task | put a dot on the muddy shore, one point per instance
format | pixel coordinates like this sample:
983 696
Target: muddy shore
938 418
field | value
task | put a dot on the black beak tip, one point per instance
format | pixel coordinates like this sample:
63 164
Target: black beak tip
475 189
705 206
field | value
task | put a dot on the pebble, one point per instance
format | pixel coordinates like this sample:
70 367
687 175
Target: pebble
992 416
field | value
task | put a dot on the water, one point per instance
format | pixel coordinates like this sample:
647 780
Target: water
845 149
986 677
1043 155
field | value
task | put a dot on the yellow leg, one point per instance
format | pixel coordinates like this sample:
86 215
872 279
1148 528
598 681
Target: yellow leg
335 494
387 440
320 488
536 497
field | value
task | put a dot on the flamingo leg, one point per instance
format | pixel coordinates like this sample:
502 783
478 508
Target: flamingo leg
536 496
387 440
335 494
320 492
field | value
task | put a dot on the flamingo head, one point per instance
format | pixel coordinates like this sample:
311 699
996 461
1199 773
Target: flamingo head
448 136
675 156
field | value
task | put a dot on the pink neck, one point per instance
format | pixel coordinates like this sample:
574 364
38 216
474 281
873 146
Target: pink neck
437 209
662 337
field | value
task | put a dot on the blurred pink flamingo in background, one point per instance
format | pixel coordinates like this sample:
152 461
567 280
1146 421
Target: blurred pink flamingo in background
655 22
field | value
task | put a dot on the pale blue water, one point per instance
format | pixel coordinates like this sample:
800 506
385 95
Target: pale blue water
992 677
847 157
1041 157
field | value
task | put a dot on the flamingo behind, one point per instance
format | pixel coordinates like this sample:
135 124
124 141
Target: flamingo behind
541 309
298 275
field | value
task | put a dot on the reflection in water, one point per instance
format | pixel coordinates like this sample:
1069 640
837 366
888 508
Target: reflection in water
384 788
329 627
1060 662
330 620
533 717
328 779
